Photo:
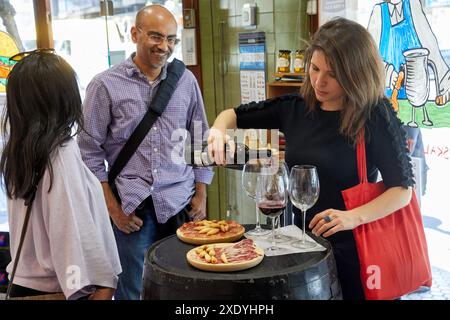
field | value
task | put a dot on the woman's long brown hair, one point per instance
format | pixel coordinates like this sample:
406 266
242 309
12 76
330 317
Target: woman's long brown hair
43 105
353 56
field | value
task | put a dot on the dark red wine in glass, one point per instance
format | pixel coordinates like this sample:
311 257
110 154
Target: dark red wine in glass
272 209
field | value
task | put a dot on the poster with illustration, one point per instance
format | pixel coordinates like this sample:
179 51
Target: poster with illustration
8 48
416 53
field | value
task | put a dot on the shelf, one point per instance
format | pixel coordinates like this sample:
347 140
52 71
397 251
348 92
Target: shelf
285 84
278 88
281 74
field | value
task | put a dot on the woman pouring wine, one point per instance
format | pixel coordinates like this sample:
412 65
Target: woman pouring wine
343 93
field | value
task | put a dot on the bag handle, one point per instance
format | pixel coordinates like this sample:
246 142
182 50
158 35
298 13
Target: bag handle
361 157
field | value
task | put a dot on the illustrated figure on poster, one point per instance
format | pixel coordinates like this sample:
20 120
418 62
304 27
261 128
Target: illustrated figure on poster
7 14
408 46
8 48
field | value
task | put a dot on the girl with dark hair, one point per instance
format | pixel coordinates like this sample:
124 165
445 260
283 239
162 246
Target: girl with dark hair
342 94
69 245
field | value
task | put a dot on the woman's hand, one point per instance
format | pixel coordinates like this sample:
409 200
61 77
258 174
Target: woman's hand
217 141
330 221
218 136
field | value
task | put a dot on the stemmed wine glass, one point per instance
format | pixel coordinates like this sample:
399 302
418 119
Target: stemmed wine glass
304 191
271 197
250 173
282 171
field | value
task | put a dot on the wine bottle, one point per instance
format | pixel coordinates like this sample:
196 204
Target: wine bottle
197 156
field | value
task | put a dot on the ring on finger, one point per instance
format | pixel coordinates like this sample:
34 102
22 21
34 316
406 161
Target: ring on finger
327 219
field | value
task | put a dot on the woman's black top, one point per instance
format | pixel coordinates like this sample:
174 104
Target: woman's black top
313 138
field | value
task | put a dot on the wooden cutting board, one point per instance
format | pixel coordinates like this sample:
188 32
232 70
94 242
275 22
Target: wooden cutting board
195 261
216 238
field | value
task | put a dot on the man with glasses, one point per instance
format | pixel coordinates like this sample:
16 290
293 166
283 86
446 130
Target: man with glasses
154 195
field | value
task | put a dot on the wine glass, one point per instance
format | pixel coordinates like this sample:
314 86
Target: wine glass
271 198
250 173
282 171
304 191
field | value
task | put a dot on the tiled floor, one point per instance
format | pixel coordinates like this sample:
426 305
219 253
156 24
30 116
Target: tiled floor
439 291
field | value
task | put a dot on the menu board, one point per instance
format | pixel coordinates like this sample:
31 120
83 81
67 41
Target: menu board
252 65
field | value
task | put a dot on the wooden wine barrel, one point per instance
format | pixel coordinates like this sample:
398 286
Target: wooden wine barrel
303 276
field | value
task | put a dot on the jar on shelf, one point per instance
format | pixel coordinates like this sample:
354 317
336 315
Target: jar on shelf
299 61
284 61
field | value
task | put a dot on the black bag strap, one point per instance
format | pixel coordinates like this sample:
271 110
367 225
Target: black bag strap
28 204
157 106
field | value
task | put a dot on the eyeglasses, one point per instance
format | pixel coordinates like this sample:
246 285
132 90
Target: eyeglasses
158 38
19 56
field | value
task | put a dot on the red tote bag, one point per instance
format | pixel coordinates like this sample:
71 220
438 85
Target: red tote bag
393 250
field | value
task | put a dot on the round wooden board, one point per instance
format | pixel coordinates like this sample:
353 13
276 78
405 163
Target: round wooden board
209 240
223 267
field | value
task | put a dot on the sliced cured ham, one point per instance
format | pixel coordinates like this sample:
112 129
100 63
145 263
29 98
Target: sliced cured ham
225 257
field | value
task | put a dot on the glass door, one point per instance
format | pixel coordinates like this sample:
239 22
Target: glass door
93 35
